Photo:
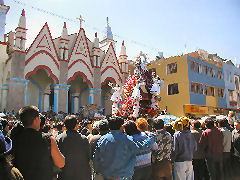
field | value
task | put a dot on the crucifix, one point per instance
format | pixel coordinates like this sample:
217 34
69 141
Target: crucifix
81 20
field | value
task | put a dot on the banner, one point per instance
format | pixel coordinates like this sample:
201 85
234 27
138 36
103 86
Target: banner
193 109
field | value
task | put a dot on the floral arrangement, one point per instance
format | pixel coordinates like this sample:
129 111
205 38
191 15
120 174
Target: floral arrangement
127 102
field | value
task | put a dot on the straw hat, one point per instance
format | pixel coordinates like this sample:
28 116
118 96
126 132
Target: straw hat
180 123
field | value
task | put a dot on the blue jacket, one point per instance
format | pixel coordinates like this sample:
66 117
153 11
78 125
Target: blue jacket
143 158
115 154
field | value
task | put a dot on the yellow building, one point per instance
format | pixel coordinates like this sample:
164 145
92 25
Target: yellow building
174 72
193 86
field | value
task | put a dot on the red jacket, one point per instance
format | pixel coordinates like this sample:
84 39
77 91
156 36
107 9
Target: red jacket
212 142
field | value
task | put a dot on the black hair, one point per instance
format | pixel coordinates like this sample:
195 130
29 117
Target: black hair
46 128
27 115
209 123
223 122
115 123
85 131
70 122
169 128
94 132
103 125
4 123
59 126
158 124
131 128
196 124
43 120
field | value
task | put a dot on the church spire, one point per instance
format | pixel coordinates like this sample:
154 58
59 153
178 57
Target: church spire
23 12
22 20
123 59
96 41
108 31
63 48
64 31
20 33
123 49
108 36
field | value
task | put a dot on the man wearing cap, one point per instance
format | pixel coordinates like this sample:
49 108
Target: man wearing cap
184 145
33 151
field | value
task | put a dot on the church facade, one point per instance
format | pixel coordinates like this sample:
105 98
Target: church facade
60 74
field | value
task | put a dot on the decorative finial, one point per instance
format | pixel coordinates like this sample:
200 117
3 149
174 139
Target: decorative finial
123 43
81 20
107 21
65 25
23 12
95 34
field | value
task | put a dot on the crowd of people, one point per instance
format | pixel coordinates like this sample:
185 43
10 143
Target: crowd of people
35 146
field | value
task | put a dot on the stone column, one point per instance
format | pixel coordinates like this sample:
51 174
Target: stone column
17 94
46 101
76 102
95 92
61 98
94 96
17 84
4 94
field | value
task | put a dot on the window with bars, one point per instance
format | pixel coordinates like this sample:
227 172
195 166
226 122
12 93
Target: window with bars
196 88
236 80
209 71
196 67
220 92
219 74
229 77
171 68
173 89
209 90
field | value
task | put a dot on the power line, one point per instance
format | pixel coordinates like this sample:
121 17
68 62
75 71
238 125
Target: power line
75 21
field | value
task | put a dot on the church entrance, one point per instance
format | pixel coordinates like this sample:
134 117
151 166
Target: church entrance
78 95
39 92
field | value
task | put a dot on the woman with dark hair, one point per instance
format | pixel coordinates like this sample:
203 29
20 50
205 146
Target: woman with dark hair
142 170
7 171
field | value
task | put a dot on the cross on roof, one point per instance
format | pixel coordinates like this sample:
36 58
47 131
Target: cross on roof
81 20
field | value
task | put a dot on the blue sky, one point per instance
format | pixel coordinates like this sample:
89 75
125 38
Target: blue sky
145 25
